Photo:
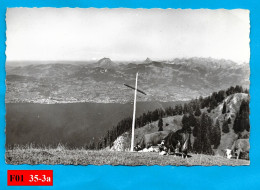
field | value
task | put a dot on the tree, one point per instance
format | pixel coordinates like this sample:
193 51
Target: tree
155 115
192 120
197 111
238 89
206 123
230 91
229 120
169 111
160 125
202 142
185 108
213 103
178 109
220 96
241 122
225 127
214 99
188 121
196 129
224 109
216 135
185 123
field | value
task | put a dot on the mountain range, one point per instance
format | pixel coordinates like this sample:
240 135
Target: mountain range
103 81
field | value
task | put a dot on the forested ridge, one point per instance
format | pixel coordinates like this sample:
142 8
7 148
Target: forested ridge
195 120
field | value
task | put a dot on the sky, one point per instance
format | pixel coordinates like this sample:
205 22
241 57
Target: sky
73 34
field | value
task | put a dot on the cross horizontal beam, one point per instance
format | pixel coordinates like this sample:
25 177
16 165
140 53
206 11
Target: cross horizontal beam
136 89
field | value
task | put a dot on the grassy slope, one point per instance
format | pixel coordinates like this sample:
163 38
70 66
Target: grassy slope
174 123
86 157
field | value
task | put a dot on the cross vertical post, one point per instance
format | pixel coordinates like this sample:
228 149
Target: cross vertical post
133 122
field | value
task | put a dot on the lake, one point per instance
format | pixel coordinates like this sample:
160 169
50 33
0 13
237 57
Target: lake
72 124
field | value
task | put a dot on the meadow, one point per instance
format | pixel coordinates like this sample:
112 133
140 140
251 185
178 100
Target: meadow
61 155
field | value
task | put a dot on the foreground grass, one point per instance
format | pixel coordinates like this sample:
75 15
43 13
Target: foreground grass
102 157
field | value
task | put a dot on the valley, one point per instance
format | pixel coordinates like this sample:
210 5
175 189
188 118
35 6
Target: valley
103 81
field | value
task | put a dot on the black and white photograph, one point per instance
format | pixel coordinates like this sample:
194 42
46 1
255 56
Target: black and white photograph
88 86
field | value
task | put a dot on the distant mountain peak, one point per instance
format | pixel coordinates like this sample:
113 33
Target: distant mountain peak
105 63
148 60
104 59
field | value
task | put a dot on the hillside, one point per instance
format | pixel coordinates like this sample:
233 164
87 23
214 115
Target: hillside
174 123
233 103
102 82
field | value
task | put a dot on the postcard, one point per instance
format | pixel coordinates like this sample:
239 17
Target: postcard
127 86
